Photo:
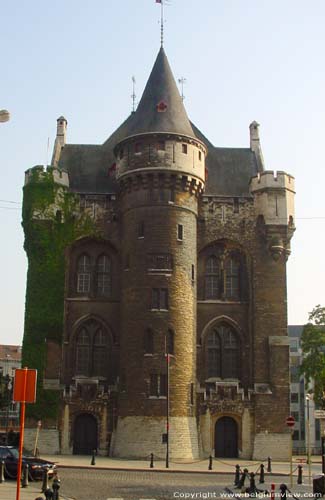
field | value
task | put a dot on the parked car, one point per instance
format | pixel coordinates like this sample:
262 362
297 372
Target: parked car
10 456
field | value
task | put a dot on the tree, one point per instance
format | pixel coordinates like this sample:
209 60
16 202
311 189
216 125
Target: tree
313 348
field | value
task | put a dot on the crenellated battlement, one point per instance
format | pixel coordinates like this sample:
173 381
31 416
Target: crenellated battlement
270 179
59 176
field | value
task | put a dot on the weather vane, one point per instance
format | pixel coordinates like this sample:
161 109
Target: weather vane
162 3
182 81
133 95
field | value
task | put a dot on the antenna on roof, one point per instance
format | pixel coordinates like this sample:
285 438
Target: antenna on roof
133 95
162 2
182 81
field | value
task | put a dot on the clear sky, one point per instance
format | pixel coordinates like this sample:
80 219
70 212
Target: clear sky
243 60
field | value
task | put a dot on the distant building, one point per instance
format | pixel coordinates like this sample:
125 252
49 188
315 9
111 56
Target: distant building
189 259
10 359
298 399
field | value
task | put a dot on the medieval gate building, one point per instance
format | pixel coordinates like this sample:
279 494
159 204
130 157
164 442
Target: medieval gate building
174 247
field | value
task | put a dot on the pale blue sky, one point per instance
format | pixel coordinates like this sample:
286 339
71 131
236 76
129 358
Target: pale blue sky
243 60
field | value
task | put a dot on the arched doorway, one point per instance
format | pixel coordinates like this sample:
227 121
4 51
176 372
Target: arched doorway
85 434
226 438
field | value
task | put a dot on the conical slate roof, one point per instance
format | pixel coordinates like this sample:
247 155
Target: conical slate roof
161 107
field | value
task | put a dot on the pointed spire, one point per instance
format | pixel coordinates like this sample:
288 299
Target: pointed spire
161 108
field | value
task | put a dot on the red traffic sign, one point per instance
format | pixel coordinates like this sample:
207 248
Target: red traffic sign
290 421
25 385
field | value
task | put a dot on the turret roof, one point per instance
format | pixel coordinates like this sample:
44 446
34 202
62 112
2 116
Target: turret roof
161 107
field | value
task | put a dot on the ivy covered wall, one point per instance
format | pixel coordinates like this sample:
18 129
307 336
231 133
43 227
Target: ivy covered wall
51 221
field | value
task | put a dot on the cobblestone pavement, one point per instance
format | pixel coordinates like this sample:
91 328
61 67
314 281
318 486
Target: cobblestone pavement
135 485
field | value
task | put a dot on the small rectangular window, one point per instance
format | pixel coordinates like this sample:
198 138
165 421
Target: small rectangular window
184 149
161 146
138 147
141 229
200 155
294 397
180 232
236 205
159 298
154 385
158 385
172 195
192 393
193 272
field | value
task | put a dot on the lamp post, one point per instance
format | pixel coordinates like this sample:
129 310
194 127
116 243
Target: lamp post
4 115
308 398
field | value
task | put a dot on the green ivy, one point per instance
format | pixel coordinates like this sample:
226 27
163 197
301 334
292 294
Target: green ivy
51 222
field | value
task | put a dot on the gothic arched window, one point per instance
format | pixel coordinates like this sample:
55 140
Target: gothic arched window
212 278
99 353
104 277
232 269
83 274
82 353
222 352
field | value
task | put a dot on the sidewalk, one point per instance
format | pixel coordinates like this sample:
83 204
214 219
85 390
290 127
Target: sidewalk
33 491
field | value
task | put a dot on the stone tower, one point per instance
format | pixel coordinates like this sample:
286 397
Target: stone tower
160 171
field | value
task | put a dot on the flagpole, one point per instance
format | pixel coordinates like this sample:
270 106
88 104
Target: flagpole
162 23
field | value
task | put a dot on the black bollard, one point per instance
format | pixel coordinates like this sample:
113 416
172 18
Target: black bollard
237 475
2 471
210 463
300 471
45 483
269 464
262 474
93 459
151 461
56 486
48 494
283 491
252 485
242 479
24 480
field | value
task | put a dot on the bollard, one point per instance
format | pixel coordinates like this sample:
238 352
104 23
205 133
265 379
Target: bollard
272 491
48 494
242 479
2 471
151 461
237 475
56 486
24 479
300 471
283 491
262 474
93 459
45 483
269 464
210 463
252 485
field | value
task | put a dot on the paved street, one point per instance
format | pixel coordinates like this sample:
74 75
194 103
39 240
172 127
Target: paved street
134 485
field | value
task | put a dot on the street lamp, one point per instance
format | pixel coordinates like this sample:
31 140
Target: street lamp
308 399
4 115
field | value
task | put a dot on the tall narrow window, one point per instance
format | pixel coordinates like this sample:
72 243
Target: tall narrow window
180 232
149 342
212 278
184 149
158 385
83 274
141 229
170 341
82 353
159 298
232 269
100 354
104 278
214 354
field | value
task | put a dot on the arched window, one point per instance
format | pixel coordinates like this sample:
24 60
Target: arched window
149 341
83 274
232 270
83 353
104 277
222 352
212 278
214 352
100 353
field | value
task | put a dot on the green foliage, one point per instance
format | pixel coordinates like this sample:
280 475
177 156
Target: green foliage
313 347
51 222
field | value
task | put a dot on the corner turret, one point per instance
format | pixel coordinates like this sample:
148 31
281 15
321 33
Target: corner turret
274 209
